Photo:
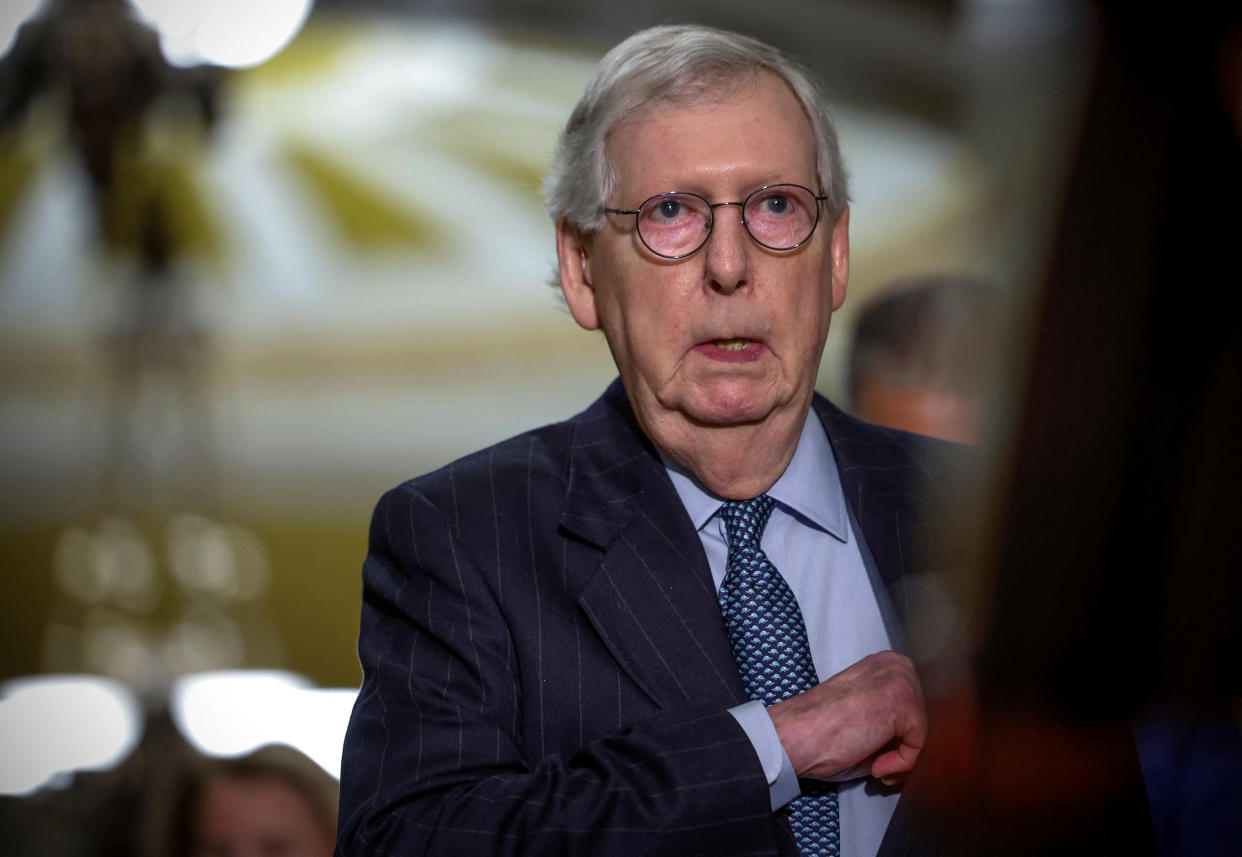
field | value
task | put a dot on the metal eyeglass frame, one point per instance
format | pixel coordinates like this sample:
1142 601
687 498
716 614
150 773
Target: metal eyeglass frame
712 206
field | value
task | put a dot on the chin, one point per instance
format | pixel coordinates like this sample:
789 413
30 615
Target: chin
731 406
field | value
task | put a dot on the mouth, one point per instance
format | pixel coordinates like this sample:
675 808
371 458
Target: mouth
737 349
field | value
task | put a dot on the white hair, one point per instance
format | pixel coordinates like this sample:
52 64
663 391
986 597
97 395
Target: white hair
673 64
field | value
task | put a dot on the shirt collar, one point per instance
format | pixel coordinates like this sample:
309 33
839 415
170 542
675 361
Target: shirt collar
810 487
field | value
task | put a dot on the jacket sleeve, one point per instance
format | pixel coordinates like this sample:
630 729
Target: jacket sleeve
434 762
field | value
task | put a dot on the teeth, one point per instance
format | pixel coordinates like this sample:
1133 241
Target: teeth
732 344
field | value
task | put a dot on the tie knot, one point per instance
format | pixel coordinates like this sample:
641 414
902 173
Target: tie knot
745 520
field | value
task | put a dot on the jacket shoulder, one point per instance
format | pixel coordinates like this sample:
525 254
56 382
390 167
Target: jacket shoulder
860 443
539 455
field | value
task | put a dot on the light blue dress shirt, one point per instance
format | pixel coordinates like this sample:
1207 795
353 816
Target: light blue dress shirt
812 539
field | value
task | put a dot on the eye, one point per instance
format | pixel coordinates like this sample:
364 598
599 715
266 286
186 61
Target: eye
776 205
668 210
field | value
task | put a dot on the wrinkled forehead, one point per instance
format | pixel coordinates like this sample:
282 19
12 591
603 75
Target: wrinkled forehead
712 86
703 95
717 86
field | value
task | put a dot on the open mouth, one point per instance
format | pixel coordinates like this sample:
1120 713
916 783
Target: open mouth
737 349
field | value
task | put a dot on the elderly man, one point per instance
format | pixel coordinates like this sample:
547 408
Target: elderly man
667 625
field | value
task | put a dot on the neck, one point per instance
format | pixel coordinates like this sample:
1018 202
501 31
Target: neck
734 462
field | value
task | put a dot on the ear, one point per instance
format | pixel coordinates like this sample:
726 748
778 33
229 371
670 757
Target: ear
574 259
839 248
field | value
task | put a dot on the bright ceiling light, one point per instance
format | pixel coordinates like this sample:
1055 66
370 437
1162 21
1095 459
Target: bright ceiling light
231 712
52 726
234 712
320 731
232 33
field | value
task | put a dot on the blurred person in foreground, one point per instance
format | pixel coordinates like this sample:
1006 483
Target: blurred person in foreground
674 623
923 359
274 801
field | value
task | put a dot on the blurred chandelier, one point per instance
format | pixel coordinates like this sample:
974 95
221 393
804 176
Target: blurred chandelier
231 33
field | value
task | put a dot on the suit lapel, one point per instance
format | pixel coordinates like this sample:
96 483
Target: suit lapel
650 596
880 479
885 484
648 591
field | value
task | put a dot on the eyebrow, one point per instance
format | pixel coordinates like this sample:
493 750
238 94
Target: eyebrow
695 188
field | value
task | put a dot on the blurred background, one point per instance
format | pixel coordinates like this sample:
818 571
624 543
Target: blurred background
261 261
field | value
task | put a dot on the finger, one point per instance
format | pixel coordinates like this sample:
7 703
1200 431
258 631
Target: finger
894 764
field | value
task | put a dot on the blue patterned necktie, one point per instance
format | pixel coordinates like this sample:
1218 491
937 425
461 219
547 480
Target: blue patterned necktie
769 641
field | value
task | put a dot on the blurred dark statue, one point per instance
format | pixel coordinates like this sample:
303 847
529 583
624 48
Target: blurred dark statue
97 64
107 68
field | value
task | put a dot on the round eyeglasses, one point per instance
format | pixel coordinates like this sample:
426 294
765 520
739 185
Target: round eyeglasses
675 225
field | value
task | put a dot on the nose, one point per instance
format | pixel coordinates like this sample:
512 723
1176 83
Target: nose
727 253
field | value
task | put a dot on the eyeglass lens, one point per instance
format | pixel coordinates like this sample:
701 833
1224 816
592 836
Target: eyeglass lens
779 217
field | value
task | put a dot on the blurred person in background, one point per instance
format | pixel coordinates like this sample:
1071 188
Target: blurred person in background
924 356
273 802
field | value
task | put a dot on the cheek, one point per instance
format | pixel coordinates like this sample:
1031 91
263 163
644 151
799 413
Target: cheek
642 308
651 329
810 302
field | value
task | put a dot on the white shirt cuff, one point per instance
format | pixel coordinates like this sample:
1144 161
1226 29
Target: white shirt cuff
755 721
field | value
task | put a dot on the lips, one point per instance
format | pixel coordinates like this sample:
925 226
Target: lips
735 349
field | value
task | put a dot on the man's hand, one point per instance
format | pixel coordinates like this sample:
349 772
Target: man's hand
869 718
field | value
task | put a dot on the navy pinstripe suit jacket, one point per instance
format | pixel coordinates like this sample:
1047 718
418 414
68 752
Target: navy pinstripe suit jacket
545 669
